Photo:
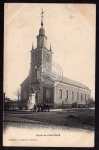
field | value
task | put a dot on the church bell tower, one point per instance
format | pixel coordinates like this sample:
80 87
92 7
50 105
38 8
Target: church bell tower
39 55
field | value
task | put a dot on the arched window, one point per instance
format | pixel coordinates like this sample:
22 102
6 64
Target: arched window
48 93
85 97
47 57
66 94
77 95
72 95
81 96
36 57
60 93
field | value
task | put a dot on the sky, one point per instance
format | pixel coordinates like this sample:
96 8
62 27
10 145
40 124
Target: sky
70 28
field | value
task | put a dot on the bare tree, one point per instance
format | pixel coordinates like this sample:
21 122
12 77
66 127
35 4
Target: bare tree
18 94
91 102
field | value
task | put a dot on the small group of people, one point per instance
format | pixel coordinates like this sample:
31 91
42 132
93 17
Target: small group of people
41 107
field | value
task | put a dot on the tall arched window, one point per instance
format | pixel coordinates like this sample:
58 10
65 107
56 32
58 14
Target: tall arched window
36 57
81 96
72 95
47 57
85 97
60 93
77 95
66 94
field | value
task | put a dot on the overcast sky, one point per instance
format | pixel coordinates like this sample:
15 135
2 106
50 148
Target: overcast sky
70 29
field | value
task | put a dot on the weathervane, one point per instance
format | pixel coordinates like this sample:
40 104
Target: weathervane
42 17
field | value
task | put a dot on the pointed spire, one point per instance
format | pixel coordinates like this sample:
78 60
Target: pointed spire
32 46
42 17
50 47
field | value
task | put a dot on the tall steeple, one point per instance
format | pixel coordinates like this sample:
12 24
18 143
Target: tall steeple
42 31
40 53
41 38
42 18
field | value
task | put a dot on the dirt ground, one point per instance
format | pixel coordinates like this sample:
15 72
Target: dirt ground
84 119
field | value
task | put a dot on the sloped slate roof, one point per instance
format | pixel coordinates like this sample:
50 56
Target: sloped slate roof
74 83
64 80
25 82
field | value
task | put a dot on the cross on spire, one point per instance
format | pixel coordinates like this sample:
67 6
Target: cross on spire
42 17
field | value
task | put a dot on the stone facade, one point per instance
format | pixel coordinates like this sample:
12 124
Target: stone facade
71 94
67 92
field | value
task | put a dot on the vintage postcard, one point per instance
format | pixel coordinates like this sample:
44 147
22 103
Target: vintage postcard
49 75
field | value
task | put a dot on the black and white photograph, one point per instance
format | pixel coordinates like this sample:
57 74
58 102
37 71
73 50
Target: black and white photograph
49 75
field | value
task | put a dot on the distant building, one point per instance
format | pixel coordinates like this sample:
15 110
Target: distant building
9 104
67 92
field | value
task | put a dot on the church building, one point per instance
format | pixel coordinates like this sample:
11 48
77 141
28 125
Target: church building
66 92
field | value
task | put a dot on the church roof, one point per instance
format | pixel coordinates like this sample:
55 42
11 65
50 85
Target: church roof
64 80
25 82
74 83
